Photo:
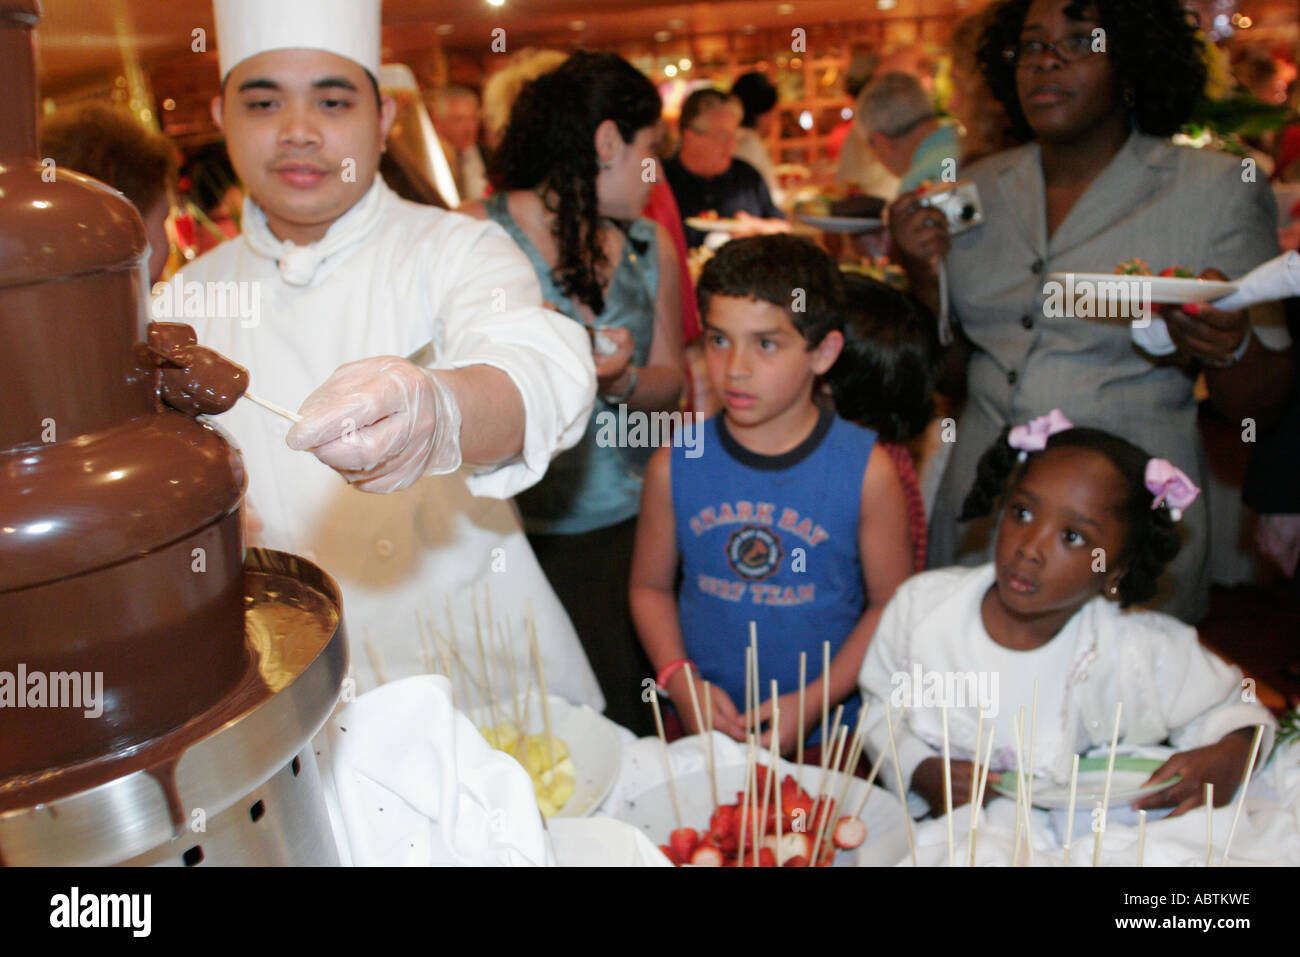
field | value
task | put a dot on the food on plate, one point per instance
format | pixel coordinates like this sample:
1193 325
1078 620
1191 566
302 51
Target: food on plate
553 784
839 201
801 819
1139 267
1133 267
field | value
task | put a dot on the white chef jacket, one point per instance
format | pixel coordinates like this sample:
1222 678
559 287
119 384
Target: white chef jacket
407 280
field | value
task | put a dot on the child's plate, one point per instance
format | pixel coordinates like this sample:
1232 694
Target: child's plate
886 843
842 224
593 745
714 225
1125 786
1165 290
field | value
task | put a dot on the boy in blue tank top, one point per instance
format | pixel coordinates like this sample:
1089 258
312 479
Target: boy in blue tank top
784 515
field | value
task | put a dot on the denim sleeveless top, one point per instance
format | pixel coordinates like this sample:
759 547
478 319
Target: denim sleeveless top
594 484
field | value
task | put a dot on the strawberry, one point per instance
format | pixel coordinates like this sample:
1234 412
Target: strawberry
1178 272
796 862
797 812
683 841
669 853
849 833
725 822
766 858
707 857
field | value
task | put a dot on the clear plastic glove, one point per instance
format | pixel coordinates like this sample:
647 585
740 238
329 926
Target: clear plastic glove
381 423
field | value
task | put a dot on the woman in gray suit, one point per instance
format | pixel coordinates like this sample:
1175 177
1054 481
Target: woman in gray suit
1097 88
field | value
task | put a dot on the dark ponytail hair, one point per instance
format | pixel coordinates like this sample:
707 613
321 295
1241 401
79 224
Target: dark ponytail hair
1152 540
548 145
884 377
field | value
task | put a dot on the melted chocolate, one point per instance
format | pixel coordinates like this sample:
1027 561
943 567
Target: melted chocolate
195 379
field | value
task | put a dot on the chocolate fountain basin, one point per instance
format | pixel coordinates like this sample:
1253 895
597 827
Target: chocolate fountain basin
236 785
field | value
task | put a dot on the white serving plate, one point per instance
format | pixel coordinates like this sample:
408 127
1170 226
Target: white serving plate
593 742
1165 290
886 843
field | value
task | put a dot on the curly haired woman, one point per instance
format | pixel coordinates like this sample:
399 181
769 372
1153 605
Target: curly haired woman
571 176
1098 88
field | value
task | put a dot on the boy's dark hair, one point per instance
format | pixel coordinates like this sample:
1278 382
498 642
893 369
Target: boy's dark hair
884 377
757 96
1152 541
1152 44
781 269
549 145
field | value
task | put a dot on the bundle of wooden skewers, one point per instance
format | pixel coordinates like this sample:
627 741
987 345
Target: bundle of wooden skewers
774 822
492 691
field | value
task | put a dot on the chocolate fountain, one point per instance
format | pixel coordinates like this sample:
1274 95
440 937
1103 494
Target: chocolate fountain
158 688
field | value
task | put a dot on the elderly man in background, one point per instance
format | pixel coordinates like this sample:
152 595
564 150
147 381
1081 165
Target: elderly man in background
903 130
706 176
456 119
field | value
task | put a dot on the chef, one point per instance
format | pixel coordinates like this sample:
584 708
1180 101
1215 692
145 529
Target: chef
414 343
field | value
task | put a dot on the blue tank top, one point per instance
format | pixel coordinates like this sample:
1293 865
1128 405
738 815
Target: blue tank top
770 539
594 485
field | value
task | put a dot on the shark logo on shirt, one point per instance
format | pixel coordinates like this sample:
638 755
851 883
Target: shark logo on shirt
753 552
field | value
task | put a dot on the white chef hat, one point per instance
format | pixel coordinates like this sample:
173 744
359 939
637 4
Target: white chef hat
349 28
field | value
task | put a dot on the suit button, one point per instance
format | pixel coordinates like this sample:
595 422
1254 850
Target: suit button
1094 725
1083 677
1027 321
1037 267
1012 378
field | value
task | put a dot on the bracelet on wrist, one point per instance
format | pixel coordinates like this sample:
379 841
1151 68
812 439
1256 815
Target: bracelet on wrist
666 673
1239 352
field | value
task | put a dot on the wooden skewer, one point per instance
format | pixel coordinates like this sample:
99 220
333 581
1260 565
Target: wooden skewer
1142 836
1209 824
902 785
1110 771
708 734
754 825
768 782
695 698
798 748
947 788
827 746
824 810
1022 822
508 666
774 771
851 758
279 410
1241 790
758 688
546 704
979 798
1069 821
975 771
486 677
744 798
749 689
826 691
1029 793
875 768
668 765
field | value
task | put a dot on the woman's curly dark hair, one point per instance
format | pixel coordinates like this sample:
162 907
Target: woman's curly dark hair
1153 44
1151 542
548 145
884 377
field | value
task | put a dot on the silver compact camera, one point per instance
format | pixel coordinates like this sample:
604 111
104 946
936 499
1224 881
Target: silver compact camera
960 204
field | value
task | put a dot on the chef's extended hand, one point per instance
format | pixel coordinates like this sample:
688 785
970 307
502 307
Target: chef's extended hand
381 423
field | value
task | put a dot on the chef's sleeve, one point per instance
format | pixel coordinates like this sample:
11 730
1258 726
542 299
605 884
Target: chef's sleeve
493 315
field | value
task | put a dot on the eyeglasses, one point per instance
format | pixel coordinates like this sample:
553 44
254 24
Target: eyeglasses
1067 49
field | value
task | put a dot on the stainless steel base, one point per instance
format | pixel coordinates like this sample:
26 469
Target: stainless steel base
281 823
220 779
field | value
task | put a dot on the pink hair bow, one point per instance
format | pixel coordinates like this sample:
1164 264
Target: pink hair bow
1033 435
1171 486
